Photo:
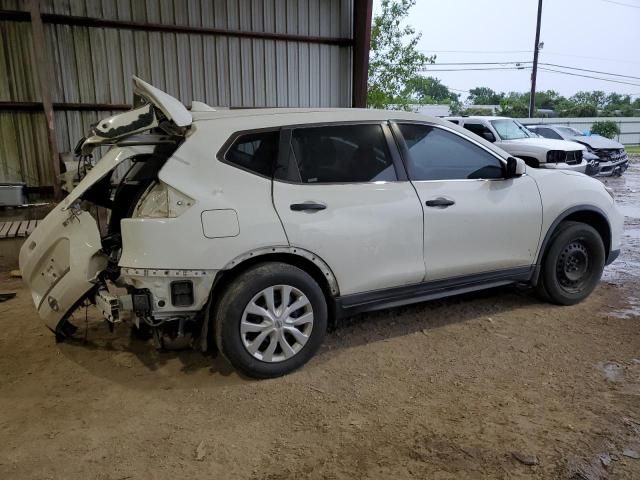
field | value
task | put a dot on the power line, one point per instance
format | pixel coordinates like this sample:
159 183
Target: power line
524 63
477 51
477 63
619 60
621 4
589 76
591 71
424 69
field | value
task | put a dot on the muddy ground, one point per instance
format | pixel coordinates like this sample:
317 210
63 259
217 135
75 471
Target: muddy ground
443 390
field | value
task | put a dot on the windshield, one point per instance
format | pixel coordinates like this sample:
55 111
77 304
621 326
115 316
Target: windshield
570 132
510 129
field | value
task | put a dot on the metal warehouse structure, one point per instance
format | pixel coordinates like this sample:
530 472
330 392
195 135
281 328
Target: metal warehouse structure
71 61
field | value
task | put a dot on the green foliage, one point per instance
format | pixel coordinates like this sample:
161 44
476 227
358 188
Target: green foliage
429 90
394 58
474 110
484 96
514 106
582 104
606 128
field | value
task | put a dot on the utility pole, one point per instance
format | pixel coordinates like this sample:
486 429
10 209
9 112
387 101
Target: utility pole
534 73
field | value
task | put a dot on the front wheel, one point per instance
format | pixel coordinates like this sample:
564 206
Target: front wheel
270 320
573 264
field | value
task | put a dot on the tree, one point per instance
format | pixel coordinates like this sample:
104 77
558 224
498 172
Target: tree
484 96
596 98
394 58
515 105
607 129
428 90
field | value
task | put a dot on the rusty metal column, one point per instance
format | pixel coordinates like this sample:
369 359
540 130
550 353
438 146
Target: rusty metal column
43 70
362 11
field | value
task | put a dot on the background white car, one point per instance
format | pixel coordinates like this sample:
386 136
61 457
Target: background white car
257 228
537 152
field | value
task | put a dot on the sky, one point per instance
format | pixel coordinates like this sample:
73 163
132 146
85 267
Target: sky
601 35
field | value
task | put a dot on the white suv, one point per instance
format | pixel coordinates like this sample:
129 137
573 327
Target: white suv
537 152
255 229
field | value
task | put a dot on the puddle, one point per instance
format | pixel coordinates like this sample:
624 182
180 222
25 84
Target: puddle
630 211
632 310
612 371
627 194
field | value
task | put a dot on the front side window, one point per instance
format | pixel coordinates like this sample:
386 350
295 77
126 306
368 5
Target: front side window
342 154
436 154
510 129
256 152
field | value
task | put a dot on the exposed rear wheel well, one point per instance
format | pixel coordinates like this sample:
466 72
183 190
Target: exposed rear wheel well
226 277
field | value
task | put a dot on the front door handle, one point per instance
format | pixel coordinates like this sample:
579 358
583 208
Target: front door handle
307 206
440 202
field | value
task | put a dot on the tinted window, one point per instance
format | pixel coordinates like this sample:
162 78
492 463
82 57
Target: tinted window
547 133
436 154
342 154
477 128
256 152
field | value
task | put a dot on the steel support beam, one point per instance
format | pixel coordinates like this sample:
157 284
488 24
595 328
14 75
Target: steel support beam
362 12
43 70
57 19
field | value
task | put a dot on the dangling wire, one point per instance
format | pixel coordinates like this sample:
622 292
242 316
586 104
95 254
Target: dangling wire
86 321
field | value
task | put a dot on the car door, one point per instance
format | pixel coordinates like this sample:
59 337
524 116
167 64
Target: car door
341 193
475 221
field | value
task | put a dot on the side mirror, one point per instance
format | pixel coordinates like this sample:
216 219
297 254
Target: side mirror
488 136
515 167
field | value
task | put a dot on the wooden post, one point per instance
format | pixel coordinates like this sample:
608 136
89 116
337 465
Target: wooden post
43 70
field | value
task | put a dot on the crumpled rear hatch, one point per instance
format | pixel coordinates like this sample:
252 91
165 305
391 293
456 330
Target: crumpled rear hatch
59 261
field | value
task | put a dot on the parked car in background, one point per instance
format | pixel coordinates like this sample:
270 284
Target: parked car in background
513 137
611 154
252 230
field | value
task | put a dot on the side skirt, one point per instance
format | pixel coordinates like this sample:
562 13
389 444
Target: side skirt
353 304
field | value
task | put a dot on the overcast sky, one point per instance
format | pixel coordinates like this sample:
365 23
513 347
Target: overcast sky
592 34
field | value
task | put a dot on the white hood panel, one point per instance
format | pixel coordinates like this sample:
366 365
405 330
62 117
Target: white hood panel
547 143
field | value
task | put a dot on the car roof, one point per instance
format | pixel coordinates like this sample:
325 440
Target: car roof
479 117
304 114
240 119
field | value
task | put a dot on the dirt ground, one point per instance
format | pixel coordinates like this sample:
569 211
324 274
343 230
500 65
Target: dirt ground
444 390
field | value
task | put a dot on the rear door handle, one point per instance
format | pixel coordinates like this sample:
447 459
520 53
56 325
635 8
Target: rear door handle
439 202
307 206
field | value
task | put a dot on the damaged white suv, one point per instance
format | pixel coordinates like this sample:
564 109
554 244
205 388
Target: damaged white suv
255 229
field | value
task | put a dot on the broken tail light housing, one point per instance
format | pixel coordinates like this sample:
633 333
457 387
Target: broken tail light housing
162 201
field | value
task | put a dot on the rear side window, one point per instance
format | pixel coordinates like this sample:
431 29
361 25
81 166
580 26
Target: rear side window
342 154
256 152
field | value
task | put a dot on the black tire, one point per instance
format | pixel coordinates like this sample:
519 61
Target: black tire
227 317
572 265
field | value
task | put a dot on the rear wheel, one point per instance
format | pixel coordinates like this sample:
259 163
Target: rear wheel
572 265
270 320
